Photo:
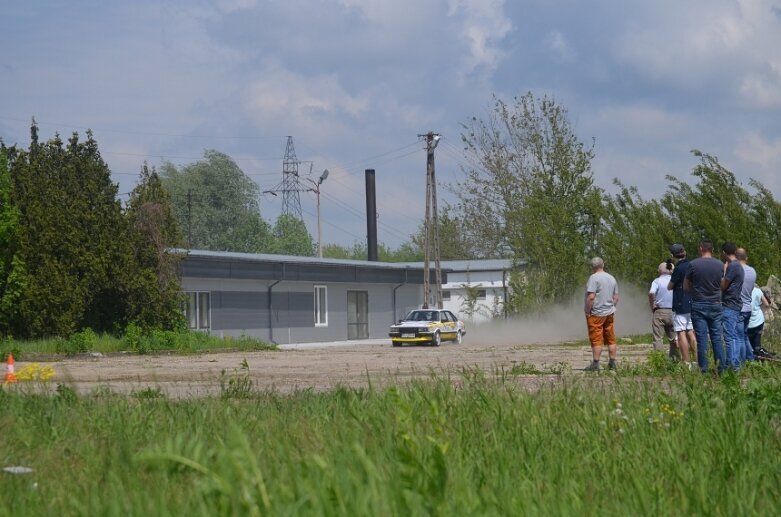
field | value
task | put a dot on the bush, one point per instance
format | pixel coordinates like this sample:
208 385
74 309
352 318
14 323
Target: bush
134 339
77 343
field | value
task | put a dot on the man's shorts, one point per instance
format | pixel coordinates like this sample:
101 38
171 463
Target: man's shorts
682 322
600 330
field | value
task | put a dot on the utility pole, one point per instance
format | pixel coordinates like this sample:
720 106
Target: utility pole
316 189
431 225
189 218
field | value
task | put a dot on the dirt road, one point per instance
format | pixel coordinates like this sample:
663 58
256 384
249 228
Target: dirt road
318 368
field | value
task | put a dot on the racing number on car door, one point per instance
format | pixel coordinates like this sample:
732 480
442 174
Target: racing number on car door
449 324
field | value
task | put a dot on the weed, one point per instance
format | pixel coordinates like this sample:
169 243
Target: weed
238 385
135 340
77 343
10 346
65 393
148 393
524 368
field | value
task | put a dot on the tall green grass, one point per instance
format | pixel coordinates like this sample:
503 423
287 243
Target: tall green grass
598 445
132 340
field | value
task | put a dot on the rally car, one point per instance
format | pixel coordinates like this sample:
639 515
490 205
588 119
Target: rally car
430 326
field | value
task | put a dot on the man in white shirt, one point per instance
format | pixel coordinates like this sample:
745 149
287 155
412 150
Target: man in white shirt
660 300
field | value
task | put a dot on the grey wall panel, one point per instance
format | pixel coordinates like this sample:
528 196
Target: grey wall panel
239 310
293 309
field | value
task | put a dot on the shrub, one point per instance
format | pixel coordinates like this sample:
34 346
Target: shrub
134 339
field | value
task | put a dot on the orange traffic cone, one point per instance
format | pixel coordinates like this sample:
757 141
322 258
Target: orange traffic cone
10 376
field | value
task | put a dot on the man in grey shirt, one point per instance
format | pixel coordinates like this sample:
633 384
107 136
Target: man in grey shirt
600 307
749 280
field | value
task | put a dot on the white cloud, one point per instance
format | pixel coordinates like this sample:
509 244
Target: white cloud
559 45
313 107
644 123
483 27
755 148
230 6
697 45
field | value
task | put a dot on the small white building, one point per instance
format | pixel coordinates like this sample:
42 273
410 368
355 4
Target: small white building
475 289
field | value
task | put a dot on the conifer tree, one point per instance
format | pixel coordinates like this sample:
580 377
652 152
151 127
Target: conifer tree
154 289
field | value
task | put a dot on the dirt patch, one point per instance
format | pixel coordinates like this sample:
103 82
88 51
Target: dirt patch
319 368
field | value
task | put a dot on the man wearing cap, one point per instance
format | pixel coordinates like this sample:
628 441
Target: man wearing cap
682 306
661 301
703 281
600 307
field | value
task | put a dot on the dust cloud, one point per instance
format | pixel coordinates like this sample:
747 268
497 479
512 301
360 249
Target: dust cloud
564 322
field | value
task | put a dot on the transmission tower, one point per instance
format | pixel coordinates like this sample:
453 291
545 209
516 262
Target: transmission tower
291 202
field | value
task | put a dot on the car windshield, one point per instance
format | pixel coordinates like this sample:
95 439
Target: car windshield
422 316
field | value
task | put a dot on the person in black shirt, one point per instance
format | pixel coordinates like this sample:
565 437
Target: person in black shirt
703 281
682 307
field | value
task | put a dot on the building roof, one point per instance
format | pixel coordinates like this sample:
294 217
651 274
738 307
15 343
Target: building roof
292 259
255 266
474 265
261 266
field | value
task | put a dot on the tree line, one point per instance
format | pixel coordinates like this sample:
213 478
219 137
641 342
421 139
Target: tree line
528 193
70 256
73 257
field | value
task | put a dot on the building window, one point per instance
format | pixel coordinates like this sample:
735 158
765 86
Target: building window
197 310
445 294
481 294
321 306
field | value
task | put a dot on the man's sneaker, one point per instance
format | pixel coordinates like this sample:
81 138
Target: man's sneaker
611 365
766 353
593 367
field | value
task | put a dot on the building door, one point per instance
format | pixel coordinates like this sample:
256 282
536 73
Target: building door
357 314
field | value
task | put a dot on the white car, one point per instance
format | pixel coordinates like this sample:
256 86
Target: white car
430 326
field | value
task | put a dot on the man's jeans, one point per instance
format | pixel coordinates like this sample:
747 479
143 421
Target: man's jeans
707 319
747 354
732 341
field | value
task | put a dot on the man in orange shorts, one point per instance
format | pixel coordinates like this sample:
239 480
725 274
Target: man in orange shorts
600 307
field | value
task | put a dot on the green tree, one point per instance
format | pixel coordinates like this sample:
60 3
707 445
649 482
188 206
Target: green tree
292 238
454 242
529 194
71 239
636 235
153 287
720 208
216 205
406 252
12 271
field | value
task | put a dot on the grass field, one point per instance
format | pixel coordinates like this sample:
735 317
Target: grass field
651 440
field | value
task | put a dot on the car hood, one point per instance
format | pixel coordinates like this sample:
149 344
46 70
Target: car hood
406 323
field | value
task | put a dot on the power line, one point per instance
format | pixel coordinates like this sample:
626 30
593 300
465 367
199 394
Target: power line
143 133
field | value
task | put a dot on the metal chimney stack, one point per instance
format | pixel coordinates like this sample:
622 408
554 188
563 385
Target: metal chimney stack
371 216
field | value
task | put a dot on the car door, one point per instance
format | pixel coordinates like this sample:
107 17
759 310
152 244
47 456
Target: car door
448 325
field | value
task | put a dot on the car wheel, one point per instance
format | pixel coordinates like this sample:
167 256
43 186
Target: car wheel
459 337
437 339
396 343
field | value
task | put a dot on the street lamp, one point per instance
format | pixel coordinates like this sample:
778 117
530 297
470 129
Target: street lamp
316 189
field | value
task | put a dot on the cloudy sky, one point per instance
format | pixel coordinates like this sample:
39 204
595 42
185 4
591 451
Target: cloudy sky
355 81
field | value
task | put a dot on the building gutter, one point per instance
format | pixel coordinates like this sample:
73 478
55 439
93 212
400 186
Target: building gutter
270 307
504 292
406 271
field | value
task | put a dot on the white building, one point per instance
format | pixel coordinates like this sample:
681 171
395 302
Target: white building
475 289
